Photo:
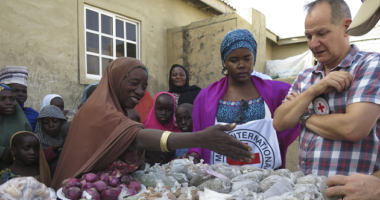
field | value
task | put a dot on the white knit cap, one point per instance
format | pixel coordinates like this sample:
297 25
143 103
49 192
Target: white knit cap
14 74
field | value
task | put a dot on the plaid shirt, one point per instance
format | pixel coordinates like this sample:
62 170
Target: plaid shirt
321 156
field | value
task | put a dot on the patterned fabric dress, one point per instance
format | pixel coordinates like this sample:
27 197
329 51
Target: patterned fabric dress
228 111
6 174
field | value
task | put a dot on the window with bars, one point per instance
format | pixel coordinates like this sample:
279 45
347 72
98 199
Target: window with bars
108 36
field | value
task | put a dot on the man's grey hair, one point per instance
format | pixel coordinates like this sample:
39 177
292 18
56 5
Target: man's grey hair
339 9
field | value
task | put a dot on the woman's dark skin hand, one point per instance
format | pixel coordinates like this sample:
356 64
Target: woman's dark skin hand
215 139
7 156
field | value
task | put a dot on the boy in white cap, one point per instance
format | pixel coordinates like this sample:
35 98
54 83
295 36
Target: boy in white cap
359 186
16 77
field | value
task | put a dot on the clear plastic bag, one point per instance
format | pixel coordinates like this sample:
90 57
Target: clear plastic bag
25 188
249 168
268 172
220 185
200 176
285 173
169 181
307 192
218 165
178 166
230 172
149 180
251 186
285 196
180 177
255 176
282 186
212 195
137 175
298 174
269 182
309 179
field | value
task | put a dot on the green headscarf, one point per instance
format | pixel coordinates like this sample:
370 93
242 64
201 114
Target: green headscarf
9 125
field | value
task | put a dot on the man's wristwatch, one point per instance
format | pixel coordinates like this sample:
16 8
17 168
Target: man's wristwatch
305 116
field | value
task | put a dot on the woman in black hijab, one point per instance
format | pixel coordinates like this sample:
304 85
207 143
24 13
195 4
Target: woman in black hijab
179 85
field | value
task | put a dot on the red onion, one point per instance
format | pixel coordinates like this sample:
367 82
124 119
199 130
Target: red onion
64 189
73 193
100 173
91 177
126 179
100 186
118 189
110 194
131 192
135 185
88 186
83 177
94 194
83 183
123 185
71 182
113 181
104 177
116 173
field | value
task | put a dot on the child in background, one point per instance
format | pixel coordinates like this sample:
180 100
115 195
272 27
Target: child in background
53 99
12 120
161 117
48 130
29 159
184 119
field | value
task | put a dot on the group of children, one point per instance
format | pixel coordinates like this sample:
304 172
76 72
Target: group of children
32 152
165 116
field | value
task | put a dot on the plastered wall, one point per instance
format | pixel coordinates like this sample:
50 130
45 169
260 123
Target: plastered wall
197 46
47 37
286 51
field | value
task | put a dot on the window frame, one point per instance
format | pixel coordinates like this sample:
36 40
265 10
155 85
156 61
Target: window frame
114 17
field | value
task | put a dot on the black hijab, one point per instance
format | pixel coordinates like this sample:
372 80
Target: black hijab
188 93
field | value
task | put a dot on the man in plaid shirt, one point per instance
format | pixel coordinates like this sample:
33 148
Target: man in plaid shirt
341 97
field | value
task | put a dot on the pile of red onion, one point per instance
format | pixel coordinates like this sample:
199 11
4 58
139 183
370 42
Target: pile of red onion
101 186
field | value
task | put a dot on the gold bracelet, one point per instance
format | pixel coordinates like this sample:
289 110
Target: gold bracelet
164 141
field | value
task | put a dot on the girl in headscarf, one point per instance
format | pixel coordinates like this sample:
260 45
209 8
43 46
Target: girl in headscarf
12 120
161 117
179 85
101 133
48 130
53 99
29 159
246 100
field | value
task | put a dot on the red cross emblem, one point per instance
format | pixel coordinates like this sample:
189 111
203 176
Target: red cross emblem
321 107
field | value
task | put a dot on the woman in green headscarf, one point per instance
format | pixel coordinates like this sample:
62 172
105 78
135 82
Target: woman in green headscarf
12 120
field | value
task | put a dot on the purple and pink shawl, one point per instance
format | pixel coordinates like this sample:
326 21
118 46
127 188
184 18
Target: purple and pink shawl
206 105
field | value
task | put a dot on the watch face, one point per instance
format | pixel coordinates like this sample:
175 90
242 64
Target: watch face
321 107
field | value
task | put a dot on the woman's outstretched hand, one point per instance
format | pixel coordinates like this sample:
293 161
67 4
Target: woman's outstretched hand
215 139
